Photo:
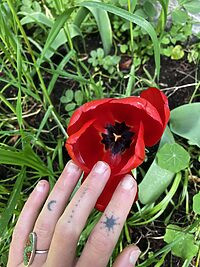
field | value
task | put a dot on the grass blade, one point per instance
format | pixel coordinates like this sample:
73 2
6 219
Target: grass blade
9 210
103 23
25 157
57 26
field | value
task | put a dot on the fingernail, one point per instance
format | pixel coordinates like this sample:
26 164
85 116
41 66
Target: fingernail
100 167
72 167
135 253
128 182
40 186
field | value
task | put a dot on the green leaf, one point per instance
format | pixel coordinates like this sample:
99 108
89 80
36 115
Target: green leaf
69 94
12 202
186 247
36 17
157 179
177 52
196 203
163 16
185 122
61 39
173 157
70 107
78 97
149 9
179 16
57 26
26 157
140 12
19 108
144 24
103 23
123 48
192 6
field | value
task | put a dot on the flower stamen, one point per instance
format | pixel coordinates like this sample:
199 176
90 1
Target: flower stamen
118 137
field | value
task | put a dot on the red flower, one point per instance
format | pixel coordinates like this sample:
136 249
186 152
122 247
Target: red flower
116 131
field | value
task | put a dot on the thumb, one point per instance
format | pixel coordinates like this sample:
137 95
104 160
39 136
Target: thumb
127 257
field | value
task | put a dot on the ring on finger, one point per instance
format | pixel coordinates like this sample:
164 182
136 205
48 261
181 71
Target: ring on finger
30 249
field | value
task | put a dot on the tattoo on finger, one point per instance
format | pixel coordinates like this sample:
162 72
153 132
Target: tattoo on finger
76 205
51 205
109 223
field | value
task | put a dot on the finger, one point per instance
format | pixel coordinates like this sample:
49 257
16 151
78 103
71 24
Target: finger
104 236
53 209
26 222
128 257
70 225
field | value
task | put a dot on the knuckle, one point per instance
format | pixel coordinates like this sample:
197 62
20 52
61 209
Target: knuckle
92 190
60 186
99 242
43 229
65 232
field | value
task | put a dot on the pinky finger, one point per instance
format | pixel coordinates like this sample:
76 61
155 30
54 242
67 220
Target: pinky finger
26 222
127 257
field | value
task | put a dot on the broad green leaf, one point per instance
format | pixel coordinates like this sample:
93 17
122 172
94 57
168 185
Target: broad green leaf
173 157
36 17
12 202
185 121
149 9
179 16
186 247
144 24
196 203
192 6
157 179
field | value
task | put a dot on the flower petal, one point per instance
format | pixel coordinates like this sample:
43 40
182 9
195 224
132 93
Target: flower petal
159 101
135 155
133 110
91 110
85 146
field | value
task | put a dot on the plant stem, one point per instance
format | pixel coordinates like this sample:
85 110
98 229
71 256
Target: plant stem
131 28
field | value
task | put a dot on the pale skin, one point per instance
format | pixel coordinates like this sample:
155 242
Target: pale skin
58 227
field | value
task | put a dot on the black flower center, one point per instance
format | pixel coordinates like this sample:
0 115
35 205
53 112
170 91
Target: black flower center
118 137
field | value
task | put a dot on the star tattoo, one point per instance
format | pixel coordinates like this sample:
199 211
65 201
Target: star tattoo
109 223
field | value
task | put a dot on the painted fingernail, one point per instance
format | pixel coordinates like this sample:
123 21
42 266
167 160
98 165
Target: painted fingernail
40 186
128 182
135 253
100 167
72 167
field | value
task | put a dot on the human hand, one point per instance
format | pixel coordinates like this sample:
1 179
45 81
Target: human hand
58 227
